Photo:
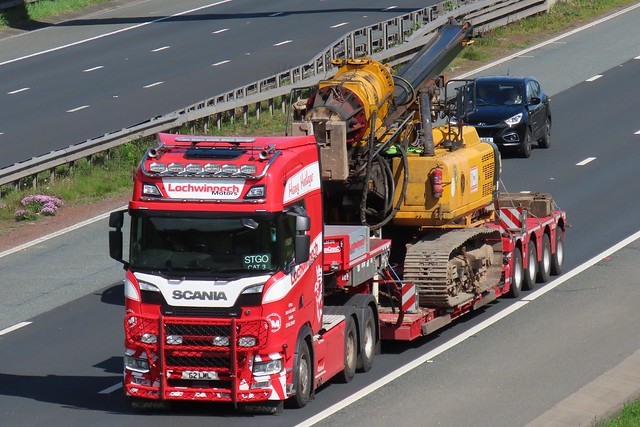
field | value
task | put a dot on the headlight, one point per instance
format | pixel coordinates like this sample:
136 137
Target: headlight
255 289
174 339
136 364
221 341
247 341
144 286
512 121
149 338
267 368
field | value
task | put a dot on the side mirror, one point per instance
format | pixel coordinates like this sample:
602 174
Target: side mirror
535 101
115 245
303 223
302 247
116 220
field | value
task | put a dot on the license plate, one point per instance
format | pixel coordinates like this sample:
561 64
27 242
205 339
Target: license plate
486 139
199 375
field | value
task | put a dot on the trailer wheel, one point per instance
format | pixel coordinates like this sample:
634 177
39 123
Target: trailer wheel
350 352
530 272
517 274
367 352
544 266
304 379
558 256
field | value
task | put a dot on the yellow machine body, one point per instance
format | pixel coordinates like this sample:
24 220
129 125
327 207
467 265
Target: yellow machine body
468 182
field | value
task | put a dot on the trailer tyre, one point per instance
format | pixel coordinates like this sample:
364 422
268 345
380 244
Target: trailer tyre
350 352
530 272
544 266
517 273
558 256
304 377
368 350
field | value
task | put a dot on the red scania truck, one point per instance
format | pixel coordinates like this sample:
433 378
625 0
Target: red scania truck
259 268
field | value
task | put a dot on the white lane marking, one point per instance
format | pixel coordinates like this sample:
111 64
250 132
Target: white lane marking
221 62
637 57
88 70
13 92
1 133
111 33
548 42
220 31
339 25
635 133
160 48
152 85
14 327
275 14
466 335
284 42
73 110
111 389
594 78
585 161
59 233
389 8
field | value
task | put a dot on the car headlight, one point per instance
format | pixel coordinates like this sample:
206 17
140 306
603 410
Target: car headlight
512 121
268 367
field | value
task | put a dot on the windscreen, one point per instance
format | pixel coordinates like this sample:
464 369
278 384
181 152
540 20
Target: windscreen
201 245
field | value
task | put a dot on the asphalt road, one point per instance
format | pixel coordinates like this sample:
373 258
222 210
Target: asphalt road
83 78
504 366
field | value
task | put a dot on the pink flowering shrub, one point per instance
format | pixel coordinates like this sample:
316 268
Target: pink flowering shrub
37 204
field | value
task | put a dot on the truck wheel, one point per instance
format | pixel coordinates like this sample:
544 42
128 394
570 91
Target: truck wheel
517 274
530 272
350 352
544 266
524 149
368 350
558 256
545 141
304 379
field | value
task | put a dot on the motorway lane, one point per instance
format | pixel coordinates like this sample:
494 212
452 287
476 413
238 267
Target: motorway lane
166 63
589 306
555 344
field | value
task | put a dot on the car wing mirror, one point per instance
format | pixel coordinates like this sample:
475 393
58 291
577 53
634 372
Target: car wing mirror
535 100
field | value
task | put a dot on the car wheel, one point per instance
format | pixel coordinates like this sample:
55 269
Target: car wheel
545 141
524 150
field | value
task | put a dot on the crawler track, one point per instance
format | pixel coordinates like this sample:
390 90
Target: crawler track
454 267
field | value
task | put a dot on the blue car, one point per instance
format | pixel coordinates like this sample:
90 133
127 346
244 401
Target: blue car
511 112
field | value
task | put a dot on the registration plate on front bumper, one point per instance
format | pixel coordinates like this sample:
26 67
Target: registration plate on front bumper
486 139
199 375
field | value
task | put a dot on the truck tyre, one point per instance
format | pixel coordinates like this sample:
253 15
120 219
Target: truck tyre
517 274
545 141
544 266
304 378
350 352
524 149
530 273
558 256
368 350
